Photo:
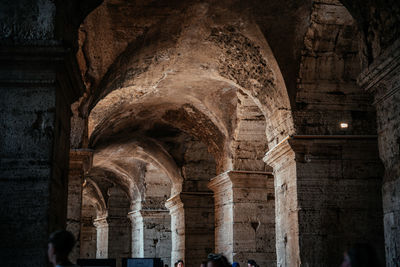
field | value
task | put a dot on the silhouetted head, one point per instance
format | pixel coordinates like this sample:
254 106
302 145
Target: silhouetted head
251 263
360 255
179 263
217 260
60 245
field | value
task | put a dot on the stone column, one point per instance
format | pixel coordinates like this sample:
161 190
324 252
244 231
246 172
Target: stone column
80 161
119 238
101 225
119 226
88 238
327 192
244 216
199 226
151 234
175 207
36 95
382 79
137 234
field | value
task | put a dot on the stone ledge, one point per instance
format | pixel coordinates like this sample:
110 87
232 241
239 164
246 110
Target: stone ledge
381 77
80 160
381 66
290 143
238 179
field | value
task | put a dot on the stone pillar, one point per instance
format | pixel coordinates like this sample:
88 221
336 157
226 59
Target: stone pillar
175 207
35 125
119 226
245 216
327 192
382 79
199 226
151 234
192 226
101 225
119 238
137 234
88 239
80 161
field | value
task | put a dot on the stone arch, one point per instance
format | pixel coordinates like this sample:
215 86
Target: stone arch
146 150
94 208
93 194
249 142
115 174
137 65
326 95
331 61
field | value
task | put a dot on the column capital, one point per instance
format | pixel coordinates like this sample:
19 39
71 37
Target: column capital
147 214
174 203
381 77
239 179
80 160
47 64
101 222
299 147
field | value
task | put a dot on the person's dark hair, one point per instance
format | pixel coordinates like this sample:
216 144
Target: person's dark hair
63 241
363 255
179 261
252 262
219 259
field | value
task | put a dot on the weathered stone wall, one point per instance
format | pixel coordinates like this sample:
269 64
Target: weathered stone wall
88 235
245 216
249 142
335 198
157 235
151 225
282 159
101 225
382 79
119 226
379 20
175 207
79 164
34 152
331 60
199 226
198 168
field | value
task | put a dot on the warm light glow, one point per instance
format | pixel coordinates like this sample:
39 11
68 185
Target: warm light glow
84 183
344 125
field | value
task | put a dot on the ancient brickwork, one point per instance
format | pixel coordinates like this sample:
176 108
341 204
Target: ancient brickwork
198 167
151 224
249 142
245 216
331 61
88 232
382 79
101 225
79 164
34 151
175 207
379 20
170 94
199 226
119 226
335 198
